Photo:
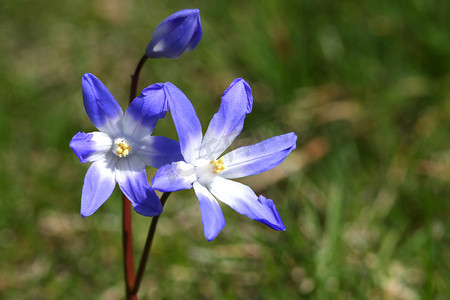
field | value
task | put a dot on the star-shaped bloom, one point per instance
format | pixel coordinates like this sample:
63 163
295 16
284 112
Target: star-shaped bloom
122 147
178 33
208 173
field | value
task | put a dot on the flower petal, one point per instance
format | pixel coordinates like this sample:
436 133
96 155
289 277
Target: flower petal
186 122
243 200
90 146
197 35
101 107
227 123
157 151
144 111
98 186
258 158
132 180
212 216
174 177
178 33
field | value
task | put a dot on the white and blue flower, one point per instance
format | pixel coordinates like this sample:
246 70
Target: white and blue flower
209 174
122 147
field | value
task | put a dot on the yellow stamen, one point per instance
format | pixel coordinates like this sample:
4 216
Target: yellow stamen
123 149
219 165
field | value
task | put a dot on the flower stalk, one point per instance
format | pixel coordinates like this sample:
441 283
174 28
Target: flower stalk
127 229
127 232
132 282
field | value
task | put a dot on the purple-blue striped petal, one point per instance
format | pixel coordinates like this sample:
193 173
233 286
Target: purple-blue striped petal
157 151
174 177
144 111
100 105
258 158
90 147
186 122
98 186
178 33
243 200
212 216
132 180
227 123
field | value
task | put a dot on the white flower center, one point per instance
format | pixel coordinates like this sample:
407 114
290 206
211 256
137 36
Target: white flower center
123 148
207 170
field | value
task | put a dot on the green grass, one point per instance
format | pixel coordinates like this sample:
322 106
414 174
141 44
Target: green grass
365 197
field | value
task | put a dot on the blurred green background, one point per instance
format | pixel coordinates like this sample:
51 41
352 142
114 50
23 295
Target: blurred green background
365 197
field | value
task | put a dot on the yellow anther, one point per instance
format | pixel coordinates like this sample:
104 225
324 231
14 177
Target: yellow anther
218 165
123 149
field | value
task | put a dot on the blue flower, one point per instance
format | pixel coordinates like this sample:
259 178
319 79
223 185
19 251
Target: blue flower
122 147
178 33
208 173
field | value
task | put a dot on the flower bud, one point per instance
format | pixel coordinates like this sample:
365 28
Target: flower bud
178 33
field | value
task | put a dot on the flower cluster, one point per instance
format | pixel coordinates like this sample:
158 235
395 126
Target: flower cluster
123 145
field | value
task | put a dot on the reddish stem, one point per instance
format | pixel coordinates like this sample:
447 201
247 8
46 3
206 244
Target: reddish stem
127 229
128 249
